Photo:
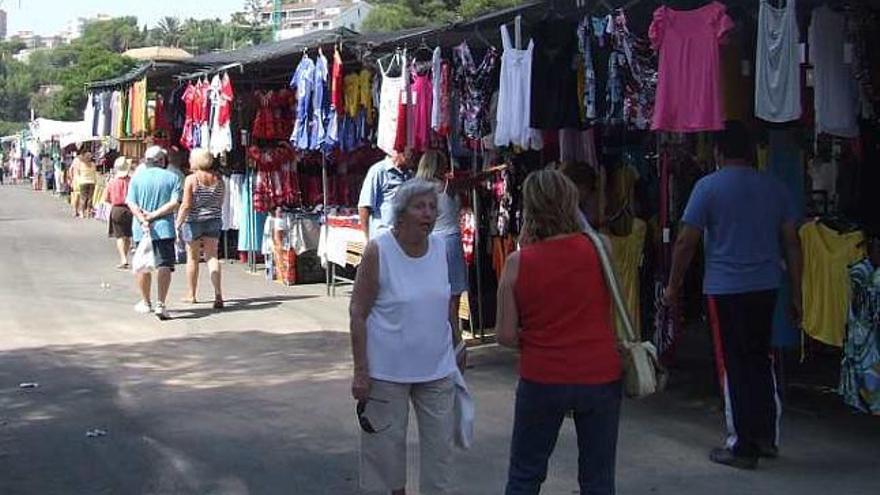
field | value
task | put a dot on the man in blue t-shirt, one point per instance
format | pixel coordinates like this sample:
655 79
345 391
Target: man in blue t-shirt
153 197
377 192
748 224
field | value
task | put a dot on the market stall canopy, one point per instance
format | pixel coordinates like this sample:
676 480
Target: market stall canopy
158 54
146 69
265 52
66 133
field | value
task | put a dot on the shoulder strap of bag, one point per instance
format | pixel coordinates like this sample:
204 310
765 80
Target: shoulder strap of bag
629 334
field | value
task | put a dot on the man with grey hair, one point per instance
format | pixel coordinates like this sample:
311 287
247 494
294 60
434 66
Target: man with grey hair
377 192
153 197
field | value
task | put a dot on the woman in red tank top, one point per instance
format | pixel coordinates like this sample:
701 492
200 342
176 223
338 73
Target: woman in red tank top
554 307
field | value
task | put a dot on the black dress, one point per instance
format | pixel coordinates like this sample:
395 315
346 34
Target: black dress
554 78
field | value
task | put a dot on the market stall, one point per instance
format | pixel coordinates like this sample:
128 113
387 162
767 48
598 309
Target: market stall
628 94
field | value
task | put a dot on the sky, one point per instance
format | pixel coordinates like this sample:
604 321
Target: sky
47 17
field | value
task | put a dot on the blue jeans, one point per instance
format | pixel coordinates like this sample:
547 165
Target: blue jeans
540 410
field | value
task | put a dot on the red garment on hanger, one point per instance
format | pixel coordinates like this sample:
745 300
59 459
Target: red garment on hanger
423 90
337 85
226 97
400 136
188 98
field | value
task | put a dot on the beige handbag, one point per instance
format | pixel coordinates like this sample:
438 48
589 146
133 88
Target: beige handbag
643 374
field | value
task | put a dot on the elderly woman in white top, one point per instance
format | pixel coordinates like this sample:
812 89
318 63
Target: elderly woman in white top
404 347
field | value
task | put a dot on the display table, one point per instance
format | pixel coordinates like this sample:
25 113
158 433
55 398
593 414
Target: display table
342 243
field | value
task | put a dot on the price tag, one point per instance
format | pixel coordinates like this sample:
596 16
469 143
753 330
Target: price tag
802 50
667 235
810 81
848 53
746 67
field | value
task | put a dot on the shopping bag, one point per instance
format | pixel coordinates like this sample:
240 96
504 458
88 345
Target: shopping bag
464 412
144 261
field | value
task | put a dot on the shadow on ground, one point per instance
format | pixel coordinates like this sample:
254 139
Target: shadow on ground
231 413
203 309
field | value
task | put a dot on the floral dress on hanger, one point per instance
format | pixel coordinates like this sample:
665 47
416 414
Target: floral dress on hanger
860 368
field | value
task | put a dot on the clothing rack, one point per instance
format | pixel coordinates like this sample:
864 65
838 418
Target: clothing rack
209 72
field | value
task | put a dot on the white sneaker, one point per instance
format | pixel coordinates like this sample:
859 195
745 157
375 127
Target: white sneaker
143 308
160 312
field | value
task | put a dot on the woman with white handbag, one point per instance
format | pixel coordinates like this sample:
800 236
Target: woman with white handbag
554 306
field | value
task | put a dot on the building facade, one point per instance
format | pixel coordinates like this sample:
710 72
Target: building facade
298 17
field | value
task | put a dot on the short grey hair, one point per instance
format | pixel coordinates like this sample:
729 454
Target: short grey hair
405 194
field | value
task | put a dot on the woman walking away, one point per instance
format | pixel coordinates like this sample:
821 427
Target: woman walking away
200 220
85 176
403 347
434 168
554 306
120 215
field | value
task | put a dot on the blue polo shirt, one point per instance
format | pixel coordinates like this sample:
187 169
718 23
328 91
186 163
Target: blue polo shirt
150 188
378 191
741 212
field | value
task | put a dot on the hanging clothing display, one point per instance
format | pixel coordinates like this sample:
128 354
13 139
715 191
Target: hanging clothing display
860 368
423 106
250 236
836 91
389 103
777 63
553 73
515 97
737 82
827 256
318 136
337 84
303 82
689 88
475 86
627 259
785 162
221 100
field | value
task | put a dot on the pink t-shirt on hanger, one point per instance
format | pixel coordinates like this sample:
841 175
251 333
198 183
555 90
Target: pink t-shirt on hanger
689 88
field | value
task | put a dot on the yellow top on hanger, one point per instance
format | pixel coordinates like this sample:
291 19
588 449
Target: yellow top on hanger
826 286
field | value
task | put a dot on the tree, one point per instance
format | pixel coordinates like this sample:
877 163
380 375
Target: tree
169 31
393 15
470 9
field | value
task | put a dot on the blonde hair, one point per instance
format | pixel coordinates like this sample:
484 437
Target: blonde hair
550 202
430 164
201 159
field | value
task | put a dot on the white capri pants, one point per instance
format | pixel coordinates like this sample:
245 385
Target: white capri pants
383 454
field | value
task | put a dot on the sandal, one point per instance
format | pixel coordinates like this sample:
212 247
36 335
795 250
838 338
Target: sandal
189 300
123 266
218 303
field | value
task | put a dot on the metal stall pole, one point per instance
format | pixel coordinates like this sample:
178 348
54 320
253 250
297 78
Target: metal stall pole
477 247
252 232
325 227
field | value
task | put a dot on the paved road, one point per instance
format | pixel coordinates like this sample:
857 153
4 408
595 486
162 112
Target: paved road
255 400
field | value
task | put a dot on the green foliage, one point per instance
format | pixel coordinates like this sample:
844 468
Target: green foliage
169 32
474 8
391 17
52 82
394 15
8 128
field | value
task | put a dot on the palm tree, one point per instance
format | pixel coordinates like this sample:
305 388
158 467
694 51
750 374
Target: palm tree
170 31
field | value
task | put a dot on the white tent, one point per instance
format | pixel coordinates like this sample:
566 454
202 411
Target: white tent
66 132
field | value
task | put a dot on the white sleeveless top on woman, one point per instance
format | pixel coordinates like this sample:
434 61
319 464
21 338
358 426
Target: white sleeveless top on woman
515 97
448 208
409 339
777 64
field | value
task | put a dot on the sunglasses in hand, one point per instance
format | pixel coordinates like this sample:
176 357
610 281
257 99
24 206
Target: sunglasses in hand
364 421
